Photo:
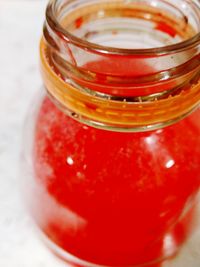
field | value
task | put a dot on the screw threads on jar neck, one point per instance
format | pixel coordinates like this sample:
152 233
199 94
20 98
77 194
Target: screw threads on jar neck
126 89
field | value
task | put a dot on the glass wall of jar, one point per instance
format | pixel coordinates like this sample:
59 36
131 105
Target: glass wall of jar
113 161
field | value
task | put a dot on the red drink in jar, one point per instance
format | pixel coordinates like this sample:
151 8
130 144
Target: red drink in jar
116 156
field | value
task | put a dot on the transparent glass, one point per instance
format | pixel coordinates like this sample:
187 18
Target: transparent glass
112 156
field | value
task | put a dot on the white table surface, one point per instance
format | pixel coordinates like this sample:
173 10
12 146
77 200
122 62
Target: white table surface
20 30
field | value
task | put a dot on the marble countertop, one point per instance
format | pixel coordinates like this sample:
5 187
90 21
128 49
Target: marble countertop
20 30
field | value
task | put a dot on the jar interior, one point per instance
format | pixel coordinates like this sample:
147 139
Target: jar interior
129 24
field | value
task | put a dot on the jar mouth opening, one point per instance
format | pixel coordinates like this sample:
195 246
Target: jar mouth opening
67 36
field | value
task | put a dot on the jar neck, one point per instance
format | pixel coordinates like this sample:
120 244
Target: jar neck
117 88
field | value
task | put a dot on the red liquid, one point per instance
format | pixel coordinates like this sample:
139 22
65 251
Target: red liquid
115 198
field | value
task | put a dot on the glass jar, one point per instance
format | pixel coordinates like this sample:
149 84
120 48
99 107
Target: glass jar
112 158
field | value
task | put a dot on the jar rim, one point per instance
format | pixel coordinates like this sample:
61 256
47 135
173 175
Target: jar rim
102 49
